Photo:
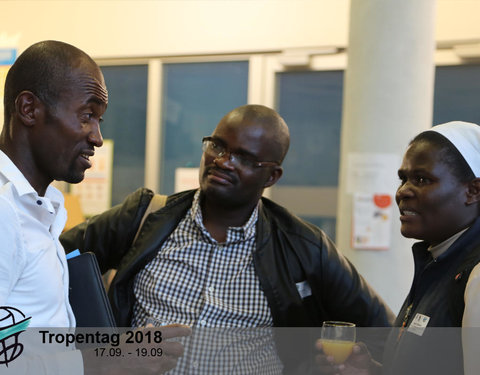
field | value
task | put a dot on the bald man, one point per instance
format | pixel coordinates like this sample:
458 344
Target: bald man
223 255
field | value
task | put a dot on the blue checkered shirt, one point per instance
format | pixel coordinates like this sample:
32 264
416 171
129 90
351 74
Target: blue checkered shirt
197 281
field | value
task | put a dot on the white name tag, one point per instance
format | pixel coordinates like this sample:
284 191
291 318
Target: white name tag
418 324
304 289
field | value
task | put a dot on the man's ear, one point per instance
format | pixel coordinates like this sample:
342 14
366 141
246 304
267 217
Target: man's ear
274 176
27 106
473 191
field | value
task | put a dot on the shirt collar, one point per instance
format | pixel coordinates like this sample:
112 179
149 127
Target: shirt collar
21 184
439 249
247 230
13 174
55 196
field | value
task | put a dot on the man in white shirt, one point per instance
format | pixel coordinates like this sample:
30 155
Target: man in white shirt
55 96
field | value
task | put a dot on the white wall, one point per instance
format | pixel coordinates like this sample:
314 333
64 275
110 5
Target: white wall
457 19
113 28
107 28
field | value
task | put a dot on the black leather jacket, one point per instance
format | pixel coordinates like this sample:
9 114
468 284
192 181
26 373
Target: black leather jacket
289 251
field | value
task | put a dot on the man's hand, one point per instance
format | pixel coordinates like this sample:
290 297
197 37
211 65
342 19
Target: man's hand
153 356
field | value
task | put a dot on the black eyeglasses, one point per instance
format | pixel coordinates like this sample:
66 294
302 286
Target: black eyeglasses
217 150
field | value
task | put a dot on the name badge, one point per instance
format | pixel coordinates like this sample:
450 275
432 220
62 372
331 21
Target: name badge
418 324
304 289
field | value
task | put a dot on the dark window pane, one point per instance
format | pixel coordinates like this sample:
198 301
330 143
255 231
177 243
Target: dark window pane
311 104
457 94
124 122
195 97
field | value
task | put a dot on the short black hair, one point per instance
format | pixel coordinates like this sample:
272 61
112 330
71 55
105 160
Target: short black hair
449 153
43 68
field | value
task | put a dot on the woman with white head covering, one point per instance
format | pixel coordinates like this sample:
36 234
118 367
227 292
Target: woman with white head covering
439 203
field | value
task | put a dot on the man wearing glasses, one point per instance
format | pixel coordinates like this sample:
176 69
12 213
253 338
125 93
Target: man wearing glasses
223 255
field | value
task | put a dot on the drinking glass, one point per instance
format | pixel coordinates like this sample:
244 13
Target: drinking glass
338 339
154 322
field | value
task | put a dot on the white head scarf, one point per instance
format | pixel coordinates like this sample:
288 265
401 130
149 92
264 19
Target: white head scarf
465 136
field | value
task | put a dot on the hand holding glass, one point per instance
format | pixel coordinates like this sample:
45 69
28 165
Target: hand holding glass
338 339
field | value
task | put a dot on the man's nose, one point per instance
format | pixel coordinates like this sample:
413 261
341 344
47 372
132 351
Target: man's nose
95 136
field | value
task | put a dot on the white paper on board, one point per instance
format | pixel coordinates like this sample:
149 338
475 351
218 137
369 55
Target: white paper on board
372 221
95 191
186 179
372 172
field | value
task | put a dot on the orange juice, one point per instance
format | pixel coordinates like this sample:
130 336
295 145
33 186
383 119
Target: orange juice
339 350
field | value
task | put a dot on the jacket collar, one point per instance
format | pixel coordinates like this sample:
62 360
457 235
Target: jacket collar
468 240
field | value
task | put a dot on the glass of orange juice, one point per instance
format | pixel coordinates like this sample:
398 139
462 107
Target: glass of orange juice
338 339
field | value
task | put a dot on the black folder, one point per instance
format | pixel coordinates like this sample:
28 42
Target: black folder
88 297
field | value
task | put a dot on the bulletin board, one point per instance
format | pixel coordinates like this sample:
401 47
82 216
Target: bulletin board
7 58
95 191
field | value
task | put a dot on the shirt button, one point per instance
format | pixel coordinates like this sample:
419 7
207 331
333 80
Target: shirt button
39 202
203 322
211 289
195 364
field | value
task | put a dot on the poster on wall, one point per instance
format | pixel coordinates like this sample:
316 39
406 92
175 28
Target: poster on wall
186 178
372 220
7 58
8 55
372 172
95 191
372 181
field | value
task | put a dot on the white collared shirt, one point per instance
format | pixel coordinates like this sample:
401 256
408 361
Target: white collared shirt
33 267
